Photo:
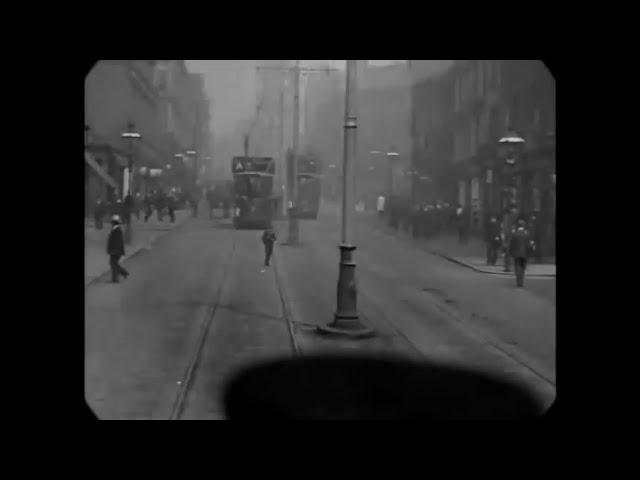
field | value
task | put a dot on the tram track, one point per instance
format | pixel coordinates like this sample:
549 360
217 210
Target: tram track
190 371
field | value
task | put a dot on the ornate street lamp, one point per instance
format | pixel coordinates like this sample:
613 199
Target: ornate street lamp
510 148
130 135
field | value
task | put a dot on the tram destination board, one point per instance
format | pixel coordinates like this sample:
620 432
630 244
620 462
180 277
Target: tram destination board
253 165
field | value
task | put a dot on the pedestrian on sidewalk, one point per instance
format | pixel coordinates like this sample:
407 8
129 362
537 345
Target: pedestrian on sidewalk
98 213
508 226
461 224
492 237
380 206
160 205
268 239
171 205
137 204
520 249
115 250
148 209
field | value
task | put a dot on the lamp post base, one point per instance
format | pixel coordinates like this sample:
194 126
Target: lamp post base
346 321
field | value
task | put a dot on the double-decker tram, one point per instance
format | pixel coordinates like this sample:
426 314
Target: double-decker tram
253 202
309 183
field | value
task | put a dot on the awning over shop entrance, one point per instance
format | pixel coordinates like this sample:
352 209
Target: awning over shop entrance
89 158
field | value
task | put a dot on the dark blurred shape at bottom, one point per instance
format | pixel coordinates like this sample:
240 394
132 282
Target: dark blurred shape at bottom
360 388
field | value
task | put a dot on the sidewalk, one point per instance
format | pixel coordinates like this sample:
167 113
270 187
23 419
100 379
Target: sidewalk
96 262
471 255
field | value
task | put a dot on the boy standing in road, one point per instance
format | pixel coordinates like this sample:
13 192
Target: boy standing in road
115 250
268 239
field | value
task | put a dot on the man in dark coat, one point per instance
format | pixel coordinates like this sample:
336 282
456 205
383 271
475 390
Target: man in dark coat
148 207
172 202
492 238
520 247
268 239
507 228
160 205
115 250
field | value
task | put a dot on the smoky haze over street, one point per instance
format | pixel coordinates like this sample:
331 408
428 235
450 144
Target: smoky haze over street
234 216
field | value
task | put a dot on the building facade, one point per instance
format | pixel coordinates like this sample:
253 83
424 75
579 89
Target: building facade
459 118
157 97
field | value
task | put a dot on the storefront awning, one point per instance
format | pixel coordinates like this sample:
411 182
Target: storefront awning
89 158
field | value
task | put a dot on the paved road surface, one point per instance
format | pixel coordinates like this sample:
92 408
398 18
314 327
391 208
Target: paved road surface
204 285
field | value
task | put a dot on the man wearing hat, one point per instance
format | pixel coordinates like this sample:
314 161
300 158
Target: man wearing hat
520 248
115 249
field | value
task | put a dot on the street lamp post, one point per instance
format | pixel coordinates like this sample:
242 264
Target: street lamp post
194 203
346 321
130 135
510 146
293 203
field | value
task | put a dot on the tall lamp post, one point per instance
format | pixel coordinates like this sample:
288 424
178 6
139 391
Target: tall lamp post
130 135
194 202
346 321
510 148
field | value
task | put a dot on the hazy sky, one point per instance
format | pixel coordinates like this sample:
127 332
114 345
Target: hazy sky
231 86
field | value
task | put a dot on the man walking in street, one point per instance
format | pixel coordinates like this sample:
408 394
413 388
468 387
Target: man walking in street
115 250
508 224
492 237
520 247
268 239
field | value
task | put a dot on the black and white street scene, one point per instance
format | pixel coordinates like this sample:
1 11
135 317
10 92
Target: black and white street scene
320 239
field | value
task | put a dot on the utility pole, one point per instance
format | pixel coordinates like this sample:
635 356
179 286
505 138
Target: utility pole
283 162
293 199
346 320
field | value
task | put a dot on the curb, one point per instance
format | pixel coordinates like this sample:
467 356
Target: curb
406 237
480 270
